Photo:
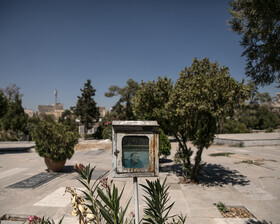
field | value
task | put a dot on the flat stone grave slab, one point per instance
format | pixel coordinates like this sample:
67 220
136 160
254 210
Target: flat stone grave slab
36 180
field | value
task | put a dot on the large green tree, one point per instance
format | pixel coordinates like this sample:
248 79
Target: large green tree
3 104
86 108
14 119
123 107
149 102
203 94
258 21
12 116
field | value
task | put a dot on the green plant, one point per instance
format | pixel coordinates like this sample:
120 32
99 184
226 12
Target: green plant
254 162
37 220
269 130
54 140
164 144
157 210
110 207
100 202
202 95
221 154
86 108
100 207
240 145
221 207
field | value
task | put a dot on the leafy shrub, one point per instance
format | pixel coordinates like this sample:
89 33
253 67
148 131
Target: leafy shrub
269 130
221 207
157 211
234 126
54 140
100 202
100 207
164 144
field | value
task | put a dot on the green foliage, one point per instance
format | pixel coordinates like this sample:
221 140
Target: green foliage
14 118
91 189
253 162
149 102
31 125
164 144
3 104
103 203
123 108
104 131
157 211
269 130
203 94
100 202
266 119
68 118
234 126
38 220
86 108
221 207
54 140
258 23
110 207
227 154
10 135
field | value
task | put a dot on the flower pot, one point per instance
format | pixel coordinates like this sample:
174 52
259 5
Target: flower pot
54 166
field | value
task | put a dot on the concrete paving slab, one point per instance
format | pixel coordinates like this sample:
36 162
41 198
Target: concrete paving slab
56 199
235 184
11 172
248 139
235 221
254 192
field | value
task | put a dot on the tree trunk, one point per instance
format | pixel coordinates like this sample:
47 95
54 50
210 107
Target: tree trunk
197 167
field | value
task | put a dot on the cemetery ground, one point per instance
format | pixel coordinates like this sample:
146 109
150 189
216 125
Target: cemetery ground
240 177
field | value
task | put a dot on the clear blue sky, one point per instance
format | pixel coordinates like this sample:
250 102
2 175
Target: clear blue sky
47 45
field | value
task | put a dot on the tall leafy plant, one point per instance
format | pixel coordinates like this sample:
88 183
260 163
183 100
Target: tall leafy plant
101 201
157 199
54 140
203 94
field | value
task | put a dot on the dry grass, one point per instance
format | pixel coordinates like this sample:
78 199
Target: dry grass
93 144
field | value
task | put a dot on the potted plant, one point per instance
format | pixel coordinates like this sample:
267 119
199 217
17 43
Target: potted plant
55 142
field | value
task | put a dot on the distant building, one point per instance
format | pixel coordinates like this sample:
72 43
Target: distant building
102 112
29 112
54 110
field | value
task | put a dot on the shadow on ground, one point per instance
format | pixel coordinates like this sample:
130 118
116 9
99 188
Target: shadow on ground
251 221
212 175
218 175
15 150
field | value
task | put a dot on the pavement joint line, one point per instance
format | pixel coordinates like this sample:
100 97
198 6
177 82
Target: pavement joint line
12 172
257 197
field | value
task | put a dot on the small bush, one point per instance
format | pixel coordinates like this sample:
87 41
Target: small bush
227 154
221 207
164 144
54 140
